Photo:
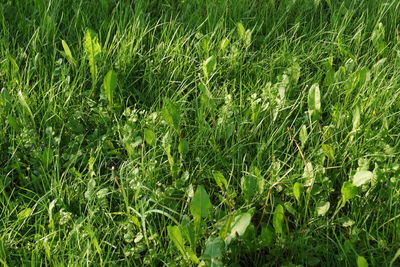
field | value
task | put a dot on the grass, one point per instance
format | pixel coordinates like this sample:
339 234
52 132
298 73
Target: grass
225 133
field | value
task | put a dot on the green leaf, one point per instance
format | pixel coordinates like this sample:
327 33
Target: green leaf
349 191
395 257
150 137
209 66
110 83
378 37
364 76
361 262
92 49
183 147
238 226
215 247
356 118
172 115
24 214
68 53
347 222
188 231
328 151
322 207
24 104
303 135
314 101
201 204
297 188
278 218
241 31
249 185
220 180
205 97
267 236
224 44
89 194
308 174
175 235
362 177
288 206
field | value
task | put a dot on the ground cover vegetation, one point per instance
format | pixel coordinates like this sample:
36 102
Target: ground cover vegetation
201 132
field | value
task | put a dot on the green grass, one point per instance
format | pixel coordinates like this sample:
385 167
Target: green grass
219 132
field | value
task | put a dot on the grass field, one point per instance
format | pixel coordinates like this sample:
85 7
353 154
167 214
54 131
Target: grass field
200 133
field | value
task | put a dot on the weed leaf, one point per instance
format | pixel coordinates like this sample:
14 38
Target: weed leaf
348 191
361 262
267 236
250 187
238 226
25 213
215 247
314 101
110 83
241 31
150 137
220 180
224 44
297 188
322 207
172 115
362 177
201 204
183 148
92 49
209 66
68 53
278 219
175 235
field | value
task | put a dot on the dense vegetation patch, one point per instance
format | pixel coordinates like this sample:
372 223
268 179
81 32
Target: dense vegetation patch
211 132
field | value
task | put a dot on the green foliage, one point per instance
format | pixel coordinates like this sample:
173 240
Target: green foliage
238 227
110 84
361 262
209 66
150 137
349 191
236 133
322 207
297 189
220 180
93 49
278 219
68 53
200 205
172 115
314 101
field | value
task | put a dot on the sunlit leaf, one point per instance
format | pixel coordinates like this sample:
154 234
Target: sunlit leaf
361 262
209 66
297 189
25 213
348 191
150 137
110 84
68 53
362 177
314 101
220 180
322 207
